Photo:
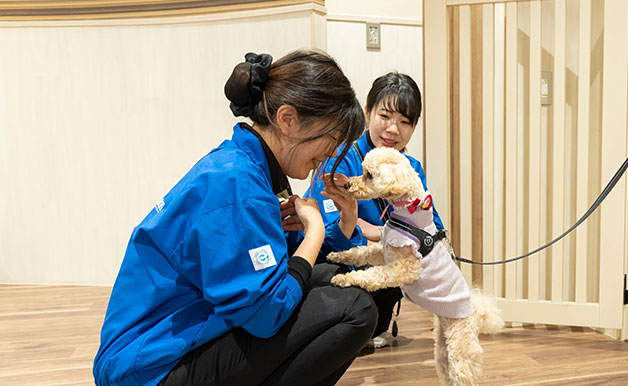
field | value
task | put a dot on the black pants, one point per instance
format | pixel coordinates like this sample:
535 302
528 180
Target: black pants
314 347
385 300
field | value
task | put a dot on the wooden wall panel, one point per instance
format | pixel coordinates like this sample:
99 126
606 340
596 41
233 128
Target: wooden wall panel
499 68
476 142
510 150
488 148
541 164
454 126
534 181
613 154
582 198
466 157
558 225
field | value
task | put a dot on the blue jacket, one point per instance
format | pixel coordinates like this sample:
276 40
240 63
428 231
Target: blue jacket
351 166
210 257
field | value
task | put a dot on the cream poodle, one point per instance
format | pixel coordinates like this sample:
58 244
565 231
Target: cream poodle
412 256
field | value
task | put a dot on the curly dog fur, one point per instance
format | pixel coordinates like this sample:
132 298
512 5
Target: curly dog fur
457 351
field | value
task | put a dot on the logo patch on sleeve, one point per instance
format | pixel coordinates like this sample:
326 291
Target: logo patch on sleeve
160 206
262 257
329 206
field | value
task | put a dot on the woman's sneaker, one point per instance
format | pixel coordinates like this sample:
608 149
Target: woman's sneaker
382 340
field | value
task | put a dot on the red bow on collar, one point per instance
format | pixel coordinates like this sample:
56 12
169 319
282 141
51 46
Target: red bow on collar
426 204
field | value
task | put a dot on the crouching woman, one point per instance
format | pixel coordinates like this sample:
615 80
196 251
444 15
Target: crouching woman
215 287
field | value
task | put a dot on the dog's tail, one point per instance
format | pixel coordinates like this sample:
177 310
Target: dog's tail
486 313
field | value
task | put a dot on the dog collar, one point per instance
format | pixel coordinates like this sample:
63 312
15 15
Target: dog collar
425 240
412 206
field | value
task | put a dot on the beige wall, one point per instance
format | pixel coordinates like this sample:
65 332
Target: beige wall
377 9
98 120
401 44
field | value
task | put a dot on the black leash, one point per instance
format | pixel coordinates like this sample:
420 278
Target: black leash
611 184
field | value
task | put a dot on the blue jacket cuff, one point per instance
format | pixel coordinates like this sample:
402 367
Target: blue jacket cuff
339 242
294 288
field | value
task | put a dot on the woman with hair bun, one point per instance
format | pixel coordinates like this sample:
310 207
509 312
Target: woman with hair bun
217 285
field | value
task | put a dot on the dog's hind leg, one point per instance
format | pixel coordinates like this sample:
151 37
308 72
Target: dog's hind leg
440 351
359 256
464 353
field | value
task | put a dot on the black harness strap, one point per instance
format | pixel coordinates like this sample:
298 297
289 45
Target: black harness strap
426 240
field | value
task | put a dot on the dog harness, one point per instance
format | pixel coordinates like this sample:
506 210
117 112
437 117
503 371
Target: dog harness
440 287
425 240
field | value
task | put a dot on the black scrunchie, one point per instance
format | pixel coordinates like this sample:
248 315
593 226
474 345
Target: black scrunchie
244 100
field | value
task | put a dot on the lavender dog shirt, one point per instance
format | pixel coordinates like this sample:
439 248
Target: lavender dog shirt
440 288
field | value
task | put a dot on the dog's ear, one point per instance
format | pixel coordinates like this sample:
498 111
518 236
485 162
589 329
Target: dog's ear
386 175
399 187
391 184
399 180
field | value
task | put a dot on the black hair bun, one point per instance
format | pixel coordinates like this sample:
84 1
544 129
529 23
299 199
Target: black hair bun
245 86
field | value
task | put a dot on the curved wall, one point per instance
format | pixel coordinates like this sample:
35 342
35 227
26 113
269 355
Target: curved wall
100 118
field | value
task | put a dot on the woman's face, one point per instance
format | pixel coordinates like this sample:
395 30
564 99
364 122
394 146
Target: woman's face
304 157
389 128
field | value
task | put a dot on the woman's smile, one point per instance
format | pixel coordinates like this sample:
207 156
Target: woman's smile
388 142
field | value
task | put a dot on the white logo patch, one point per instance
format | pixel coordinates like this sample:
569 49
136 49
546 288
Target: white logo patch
160 205
329 206
262 257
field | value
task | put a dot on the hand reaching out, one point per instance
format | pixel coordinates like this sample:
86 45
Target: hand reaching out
370 232
348 208
345 203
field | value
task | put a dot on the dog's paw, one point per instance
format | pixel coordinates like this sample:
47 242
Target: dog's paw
336 257
340 280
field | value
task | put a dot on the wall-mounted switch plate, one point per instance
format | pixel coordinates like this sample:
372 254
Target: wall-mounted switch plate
373 36
546 87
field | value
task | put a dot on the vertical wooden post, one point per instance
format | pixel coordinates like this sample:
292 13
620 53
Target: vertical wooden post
436 103
558 162
613 211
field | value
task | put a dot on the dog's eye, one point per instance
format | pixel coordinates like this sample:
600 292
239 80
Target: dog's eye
368 175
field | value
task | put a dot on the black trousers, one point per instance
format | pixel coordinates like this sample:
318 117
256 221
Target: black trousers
314 347
385 300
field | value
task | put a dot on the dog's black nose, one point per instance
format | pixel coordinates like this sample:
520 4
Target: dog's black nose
348 185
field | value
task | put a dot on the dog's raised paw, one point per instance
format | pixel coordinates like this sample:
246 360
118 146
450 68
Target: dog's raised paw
335 257
340 281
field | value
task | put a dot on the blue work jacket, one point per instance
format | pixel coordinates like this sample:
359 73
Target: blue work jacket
211 256
368 210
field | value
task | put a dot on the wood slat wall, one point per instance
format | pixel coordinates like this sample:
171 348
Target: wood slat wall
558 187
523 172
510 150
582 196
613 231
